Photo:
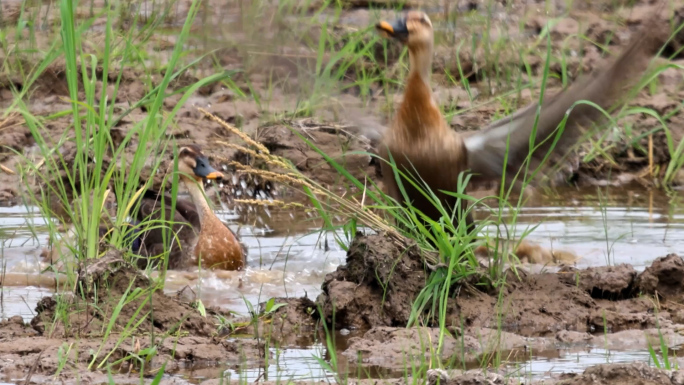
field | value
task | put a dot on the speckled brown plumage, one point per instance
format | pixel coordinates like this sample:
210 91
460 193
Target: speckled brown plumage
201 236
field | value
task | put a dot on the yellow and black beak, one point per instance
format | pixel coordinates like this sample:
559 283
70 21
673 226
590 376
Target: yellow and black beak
204 170
396 30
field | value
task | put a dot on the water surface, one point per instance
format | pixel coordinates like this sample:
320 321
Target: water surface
289 256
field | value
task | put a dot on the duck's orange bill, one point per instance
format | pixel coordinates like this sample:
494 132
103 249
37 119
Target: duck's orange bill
214 175
385 26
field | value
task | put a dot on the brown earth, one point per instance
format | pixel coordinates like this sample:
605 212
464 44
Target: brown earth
374 290
379 282
612 306
75 327
330 128
607 374
637 373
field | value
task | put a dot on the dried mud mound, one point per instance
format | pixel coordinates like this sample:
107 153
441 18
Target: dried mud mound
181 335
609 298
377 285
637 373
105 282
535 304
610 282
293 323
380 281
665 277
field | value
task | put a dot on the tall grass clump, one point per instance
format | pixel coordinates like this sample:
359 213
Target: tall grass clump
80 174
78 183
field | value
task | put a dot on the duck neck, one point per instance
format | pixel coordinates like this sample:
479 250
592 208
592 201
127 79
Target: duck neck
418 111
197 195
420 60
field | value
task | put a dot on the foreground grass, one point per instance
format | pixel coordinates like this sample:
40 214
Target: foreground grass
341 61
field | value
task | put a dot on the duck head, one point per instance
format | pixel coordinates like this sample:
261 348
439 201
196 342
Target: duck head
193 162
413 30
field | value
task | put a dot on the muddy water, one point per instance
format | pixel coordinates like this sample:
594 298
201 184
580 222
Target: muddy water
302 363
555 362
611 226
288 256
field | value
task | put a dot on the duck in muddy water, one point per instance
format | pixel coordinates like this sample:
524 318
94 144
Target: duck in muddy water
421 142
526 252
203 237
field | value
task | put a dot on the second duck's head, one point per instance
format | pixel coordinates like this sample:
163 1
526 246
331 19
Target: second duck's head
414 30
193 163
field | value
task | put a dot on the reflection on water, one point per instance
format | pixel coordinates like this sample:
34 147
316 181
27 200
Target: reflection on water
300 364
542 366
626 226
288 256
20 301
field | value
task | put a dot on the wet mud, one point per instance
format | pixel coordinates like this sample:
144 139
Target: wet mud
110 319
611 306
372 294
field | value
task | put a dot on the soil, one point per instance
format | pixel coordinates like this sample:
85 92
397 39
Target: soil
376 286
620 307
613 307
372 293
75 327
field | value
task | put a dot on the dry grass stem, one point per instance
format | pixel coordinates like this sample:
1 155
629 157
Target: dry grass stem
277 203
233 129
7 170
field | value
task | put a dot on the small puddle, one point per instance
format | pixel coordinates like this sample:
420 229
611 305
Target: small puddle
576 360
288 256
618 226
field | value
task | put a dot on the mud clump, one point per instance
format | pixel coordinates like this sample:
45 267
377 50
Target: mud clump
72 328
15 327
105 282
391 347
283 139
376 287
380 282
605 282
665 277
537 304
623 374
293 322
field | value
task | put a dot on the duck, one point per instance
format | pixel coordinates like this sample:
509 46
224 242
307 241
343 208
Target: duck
204 239
422 144
527 252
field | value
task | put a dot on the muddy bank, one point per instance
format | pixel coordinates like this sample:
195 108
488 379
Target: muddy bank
609 307
606 374
379 283
116 316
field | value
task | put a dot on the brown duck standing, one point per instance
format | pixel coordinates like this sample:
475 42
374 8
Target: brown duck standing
421 142
203 237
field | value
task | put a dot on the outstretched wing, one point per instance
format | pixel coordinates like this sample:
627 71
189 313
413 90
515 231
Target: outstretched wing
487 149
